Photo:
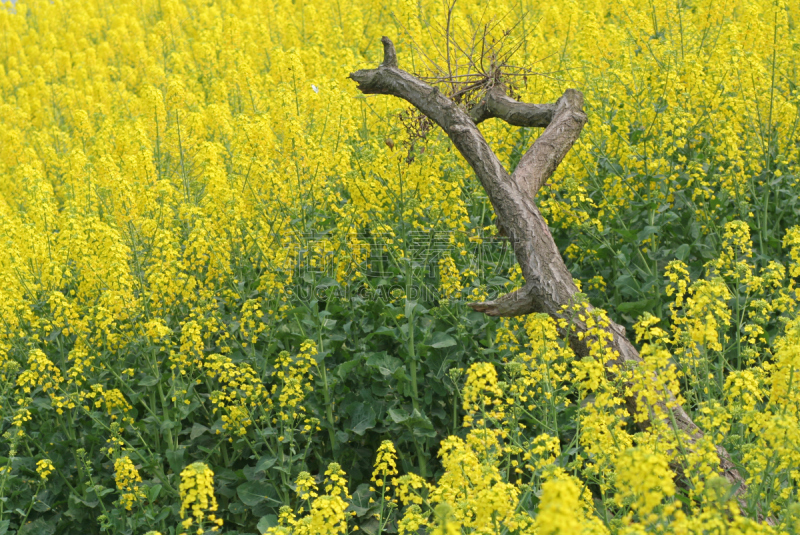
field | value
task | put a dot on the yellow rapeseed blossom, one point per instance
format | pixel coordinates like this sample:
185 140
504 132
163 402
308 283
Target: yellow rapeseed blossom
450 285
198 502
41 372
644 482
128 482
328 512
44 468
306 486
563 510
385 464
482 397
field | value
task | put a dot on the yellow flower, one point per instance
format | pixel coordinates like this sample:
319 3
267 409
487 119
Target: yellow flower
563 510
482 397
128 482
385 463
44 468
197 497
645 481
306 487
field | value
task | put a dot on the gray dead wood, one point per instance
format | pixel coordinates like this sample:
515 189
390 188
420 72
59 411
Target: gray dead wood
548 283
496 104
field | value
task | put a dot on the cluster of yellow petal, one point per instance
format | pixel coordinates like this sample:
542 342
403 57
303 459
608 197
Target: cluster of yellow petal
385 464
44 468
328 512
198 502
41 372
128 482
481 395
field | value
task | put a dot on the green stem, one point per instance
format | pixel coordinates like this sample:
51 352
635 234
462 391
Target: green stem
412 357
92 483
327 396
33 502
412 365
329 412
423 461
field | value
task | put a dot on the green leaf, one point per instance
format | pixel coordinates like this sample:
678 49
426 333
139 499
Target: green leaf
236 508
40 506
441 340
418 421
37 527
252 492
360 502
398 416
498 281
637 307
371 526
647 232
682 252
266 522
153 492
148 380
410 307
197 430
166 425
91 504
265 463
385 364
386 330
250 473
362 418
267 506
344 369
217 426
175 459
102 491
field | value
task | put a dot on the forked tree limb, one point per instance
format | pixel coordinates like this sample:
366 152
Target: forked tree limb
548 283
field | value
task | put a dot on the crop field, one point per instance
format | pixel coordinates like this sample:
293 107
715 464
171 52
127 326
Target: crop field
235 289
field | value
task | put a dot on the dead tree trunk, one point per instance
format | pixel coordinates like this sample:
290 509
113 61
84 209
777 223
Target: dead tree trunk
548 283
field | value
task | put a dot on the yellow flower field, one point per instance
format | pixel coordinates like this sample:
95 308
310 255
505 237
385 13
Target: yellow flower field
233 288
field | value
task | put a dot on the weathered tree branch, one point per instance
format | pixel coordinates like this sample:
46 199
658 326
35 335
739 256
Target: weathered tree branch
548 283
496 104
540 161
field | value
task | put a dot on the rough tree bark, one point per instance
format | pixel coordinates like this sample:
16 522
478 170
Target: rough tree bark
548 283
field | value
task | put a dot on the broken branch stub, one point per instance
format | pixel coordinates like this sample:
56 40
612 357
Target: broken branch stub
548 284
